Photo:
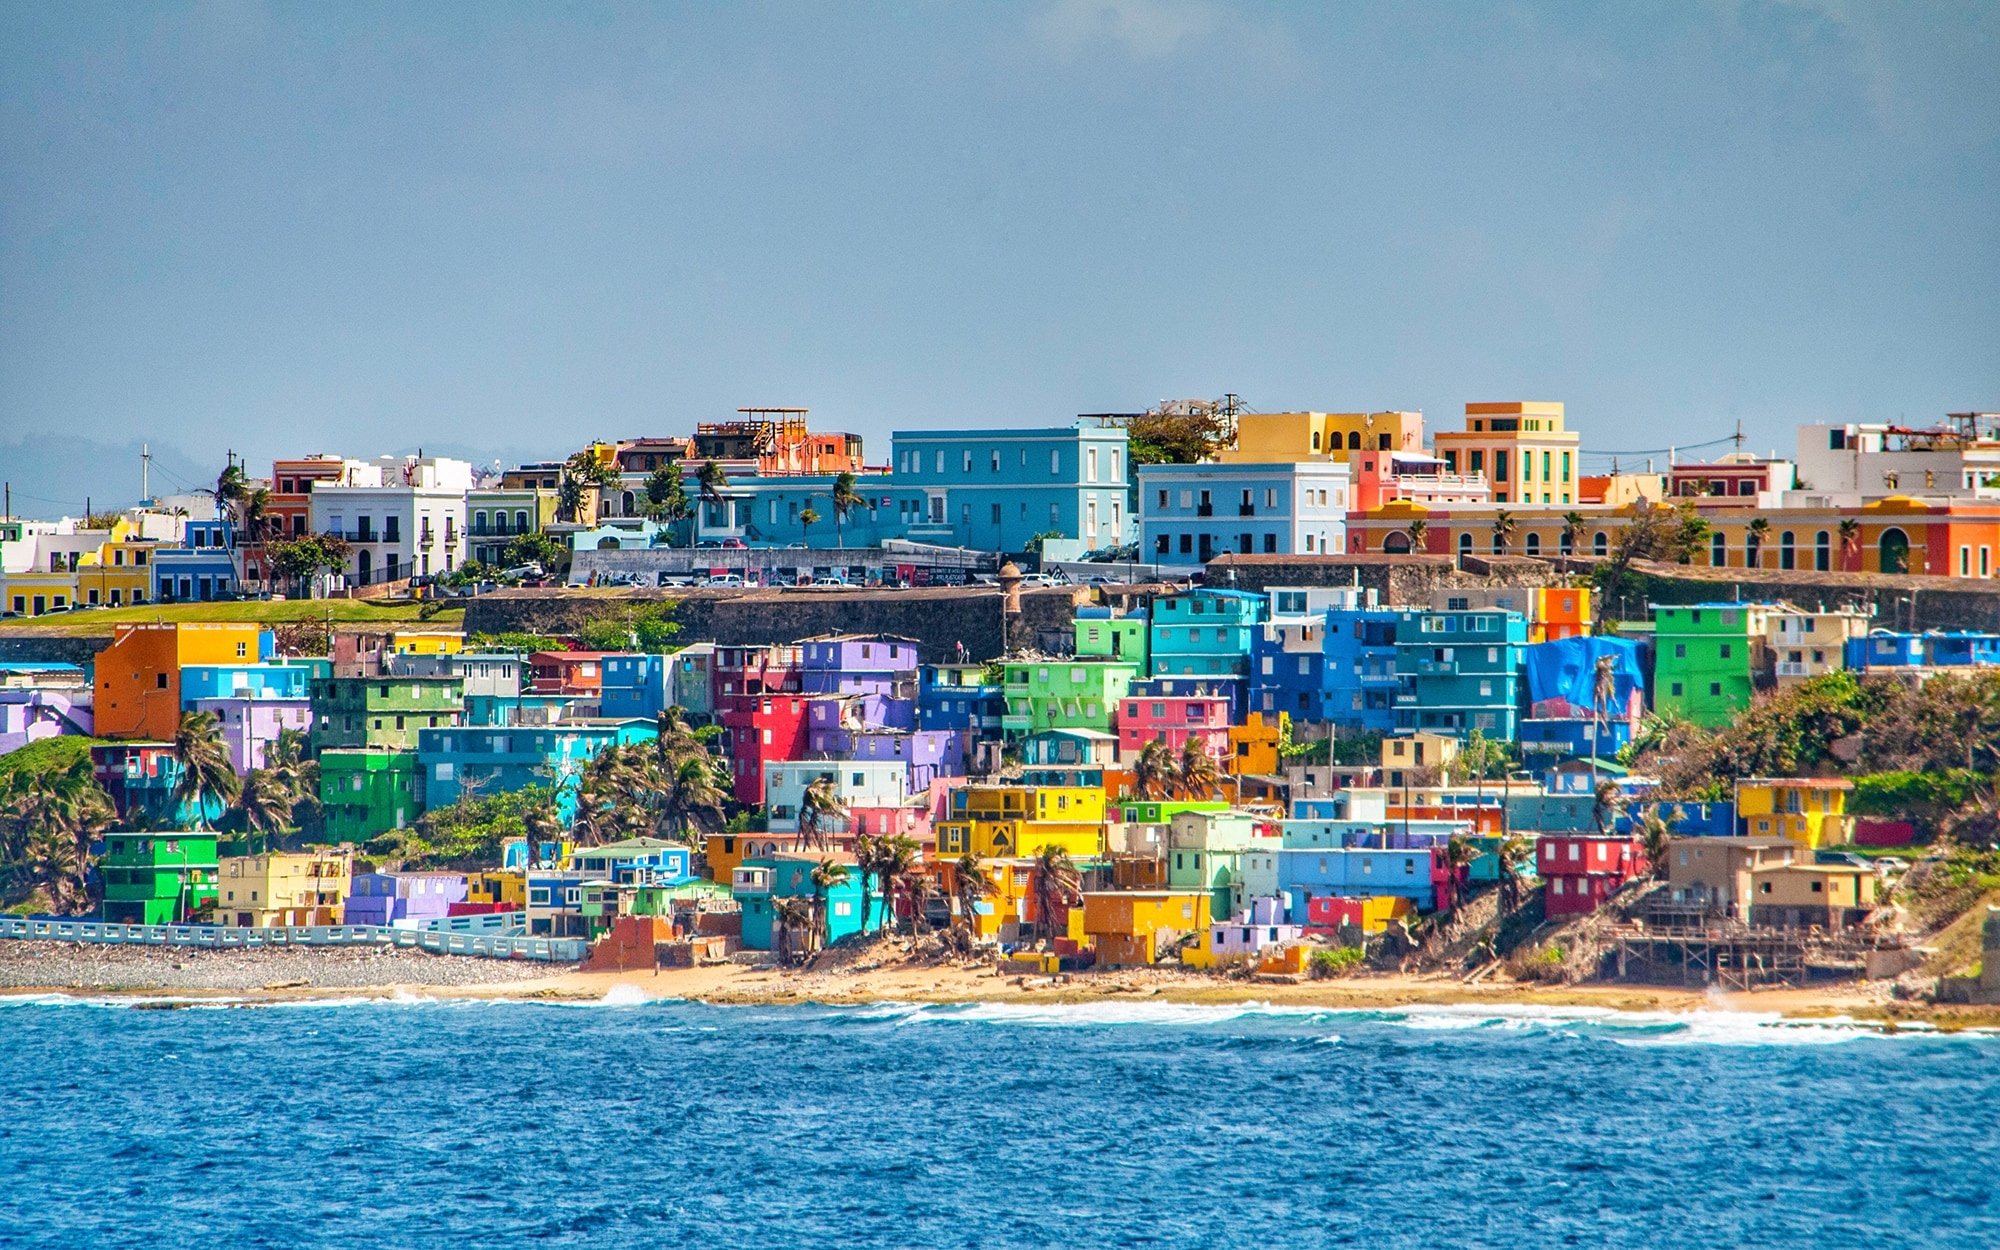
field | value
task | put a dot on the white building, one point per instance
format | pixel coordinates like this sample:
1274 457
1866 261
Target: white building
404 516
857 783
1848 465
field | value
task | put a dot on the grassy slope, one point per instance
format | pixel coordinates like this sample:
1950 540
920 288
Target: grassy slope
1958 943
50 755
348 611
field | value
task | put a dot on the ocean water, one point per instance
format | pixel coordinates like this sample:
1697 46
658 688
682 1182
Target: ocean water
637 1123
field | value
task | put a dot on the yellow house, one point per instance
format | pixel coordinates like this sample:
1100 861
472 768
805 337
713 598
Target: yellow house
1811 811
1287 437
1521 448
1010 900
284 888
725 852
1253 747
119 573
35 591
1079 839
427 642
1133 926
503 887
1410 751
1809 644
1830 896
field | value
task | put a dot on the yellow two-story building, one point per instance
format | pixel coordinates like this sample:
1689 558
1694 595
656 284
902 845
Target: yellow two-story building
1811 811
1023 820
284 888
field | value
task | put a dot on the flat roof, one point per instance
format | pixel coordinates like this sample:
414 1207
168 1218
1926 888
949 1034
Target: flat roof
1817 783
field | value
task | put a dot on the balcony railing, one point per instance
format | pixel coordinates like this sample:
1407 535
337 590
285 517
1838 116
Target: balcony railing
1787 668
1247 509
1207 509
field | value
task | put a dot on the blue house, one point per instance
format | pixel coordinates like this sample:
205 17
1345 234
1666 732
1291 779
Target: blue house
202 566
637 861
1460 671
518 709
1205 633
636 687
993 490
1191 513
959 698
1360 872
502 759
285 679
1360 669
1885 649
759 883
1962 648
1288 669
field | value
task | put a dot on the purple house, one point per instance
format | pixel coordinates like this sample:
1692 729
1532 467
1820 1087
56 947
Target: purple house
250 725
857 712
403 899
859 664
929 754
42 701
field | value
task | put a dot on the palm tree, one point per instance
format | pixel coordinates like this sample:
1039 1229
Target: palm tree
712 487
48 823
864 867
1655 840
1197 774
825 876
789 916
1418 530
1057 882
667 498
1514 854
970 885
808 517
51 861
1503 531
1760 529
1850 539
1572 532
1459 853
845 500
1154 773
820 809
922 888
1606 800
1603 688
265 802
895 856
205 768
691 803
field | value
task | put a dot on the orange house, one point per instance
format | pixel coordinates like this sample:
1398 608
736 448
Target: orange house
1559 612
1253 747
139 674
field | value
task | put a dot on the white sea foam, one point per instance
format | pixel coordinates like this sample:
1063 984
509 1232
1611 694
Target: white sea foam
624 995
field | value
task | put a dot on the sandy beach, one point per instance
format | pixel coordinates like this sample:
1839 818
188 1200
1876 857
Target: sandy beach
285 975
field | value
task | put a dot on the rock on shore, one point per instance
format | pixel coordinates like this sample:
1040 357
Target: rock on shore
79 965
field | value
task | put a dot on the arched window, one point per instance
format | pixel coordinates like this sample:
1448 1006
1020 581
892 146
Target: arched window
520 522
1822 551
1396 542
1565 543
1787 556
1600 543
627 505
1465 543
607 543
364 565
1895 551
1354 440
1718 551
1534 544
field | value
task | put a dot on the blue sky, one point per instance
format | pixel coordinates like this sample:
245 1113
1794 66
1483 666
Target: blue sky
507 229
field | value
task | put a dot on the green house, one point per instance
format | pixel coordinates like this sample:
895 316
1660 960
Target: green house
1162 811
1101 636
1703 659
351 713
157 878
1065 694
367 792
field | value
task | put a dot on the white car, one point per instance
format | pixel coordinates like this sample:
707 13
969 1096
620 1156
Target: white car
829 581
726 580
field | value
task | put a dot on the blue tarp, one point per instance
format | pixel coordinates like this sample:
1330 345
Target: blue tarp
1567 669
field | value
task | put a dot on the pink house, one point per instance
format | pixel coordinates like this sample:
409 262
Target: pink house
1176 718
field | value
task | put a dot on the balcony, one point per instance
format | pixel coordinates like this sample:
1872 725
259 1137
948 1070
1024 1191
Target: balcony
1438 668
1791 668
1246 509
1207 509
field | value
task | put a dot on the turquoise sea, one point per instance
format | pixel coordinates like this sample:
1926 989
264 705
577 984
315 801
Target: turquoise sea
633 1123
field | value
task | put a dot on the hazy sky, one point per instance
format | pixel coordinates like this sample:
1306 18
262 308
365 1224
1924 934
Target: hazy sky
360 228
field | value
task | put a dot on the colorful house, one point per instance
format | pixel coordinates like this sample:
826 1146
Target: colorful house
566 672
1102 636
283 888
958 698
200 567
1826 896
1805 644
1361 872
403 899
1174 711
1058 694
385 713
1704 658
140 778
138 687
759 883
1190 513
501 760
40 701
1583 870
1460 671
1135 927
1359 672
636 686
1811 811
859 664
1717 875
367 792
1205 633
1243 939
637 861
157 878
1023 820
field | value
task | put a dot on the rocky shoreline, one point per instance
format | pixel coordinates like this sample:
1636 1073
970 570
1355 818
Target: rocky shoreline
76 965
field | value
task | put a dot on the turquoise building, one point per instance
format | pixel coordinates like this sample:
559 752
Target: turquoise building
502 759
993 490
1459 671
281 679
1205 633
758 883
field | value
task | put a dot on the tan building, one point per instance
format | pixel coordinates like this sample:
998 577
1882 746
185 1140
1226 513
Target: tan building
1718 874
284 888
1289 437
1811 644
1522 448
1414 751
1827 896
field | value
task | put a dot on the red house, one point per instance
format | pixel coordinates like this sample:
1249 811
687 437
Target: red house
567 672
1176 718
758 701
1581 871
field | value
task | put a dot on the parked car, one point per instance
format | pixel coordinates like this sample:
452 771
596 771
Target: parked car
829 581
521 571
675 579
725 580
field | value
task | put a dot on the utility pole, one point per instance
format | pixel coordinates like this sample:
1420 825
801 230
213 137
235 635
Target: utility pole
146 472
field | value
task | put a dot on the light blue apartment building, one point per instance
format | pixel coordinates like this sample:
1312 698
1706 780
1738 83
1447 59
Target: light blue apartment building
1360 671
201 567
502 759
1460 671
1191 513
993 490
1205 633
